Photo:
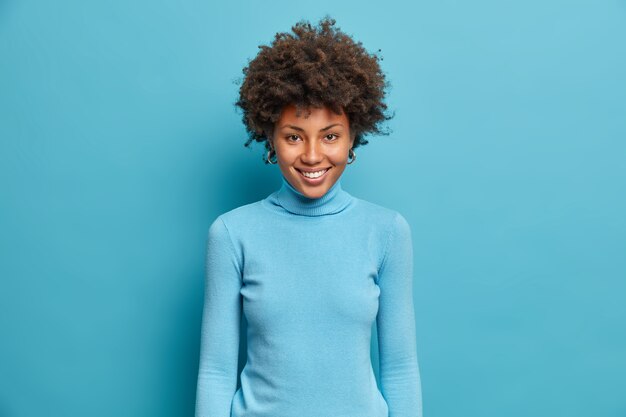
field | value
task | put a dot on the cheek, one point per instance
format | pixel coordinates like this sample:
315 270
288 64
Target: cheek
285 154
340 156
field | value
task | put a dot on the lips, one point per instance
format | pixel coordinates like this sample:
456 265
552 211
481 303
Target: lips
316 180
312 170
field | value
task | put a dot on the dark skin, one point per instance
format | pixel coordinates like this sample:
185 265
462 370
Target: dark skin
314 66
317 142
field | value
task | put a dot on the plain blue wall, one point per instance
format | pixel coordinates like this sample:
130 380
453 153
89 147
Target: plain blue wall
119 145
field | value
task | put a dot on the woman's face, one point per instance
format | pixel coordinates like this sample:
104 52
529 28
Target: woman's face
320 142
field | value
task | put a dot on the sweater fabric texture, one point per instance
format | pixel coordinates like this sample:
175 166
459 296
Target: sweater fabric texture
310 276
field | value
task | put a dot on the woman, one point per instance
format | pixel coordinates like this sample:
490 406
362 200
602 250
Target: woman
310 266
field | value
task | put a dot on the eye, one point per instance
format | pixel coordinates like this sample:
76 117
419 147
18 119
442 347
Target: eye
330 136
289 137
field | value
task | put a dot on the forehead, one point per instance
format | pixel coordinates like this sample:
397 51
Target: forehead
310 116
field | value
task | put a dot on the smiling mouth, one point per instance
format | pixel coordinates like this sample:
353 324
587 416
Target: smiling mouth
313 174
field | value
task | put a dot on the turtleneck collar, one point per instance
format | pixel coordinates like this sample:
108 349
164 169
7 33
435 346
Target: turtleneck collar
336 199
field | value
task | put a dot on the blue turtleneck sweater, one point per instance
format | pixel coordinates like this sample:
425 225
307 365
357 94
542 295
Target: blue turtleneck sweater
310 276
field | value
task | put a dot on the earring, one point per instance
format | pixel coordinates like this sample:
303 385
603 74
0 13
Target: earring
269 156
353 156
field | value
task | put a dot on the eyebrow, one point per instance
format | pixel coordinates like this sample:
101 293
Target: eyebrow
302 130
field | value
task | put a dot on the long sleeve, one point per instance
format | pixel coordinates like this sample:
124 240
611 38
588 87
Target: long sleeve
399 371
219 344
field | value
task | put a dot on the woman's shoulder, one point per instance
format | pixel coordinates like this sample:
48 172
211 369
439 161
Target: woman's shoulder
241 214
378 211
386 220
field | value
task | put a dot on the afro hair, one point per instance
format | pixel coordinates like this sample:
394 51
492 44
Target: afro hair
313 67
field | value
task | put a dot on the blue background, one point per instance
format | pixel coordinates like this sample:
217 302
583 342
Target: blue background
120 143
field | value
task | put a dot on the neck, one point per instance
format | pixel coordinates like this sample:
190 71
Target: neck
289 198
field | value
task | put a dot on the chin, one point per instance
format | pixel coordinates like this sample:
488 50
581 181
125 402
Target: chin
310 190
316 195
316 191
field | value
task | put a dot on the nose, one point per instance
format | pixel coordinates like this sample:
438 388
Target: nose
313 152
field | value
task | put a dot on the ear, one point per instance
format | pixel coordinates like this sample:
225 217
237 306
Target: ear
268 138
269 134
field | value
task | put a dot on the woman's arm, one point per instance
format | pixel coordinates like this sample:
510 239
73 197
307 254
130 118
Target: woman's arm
219 343
397 346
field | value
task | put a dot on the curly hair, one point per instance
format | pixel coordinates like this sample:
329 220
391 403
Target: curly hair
314 67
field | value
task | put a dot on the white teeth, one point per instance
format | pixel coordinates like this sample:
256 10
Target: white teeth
316 174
